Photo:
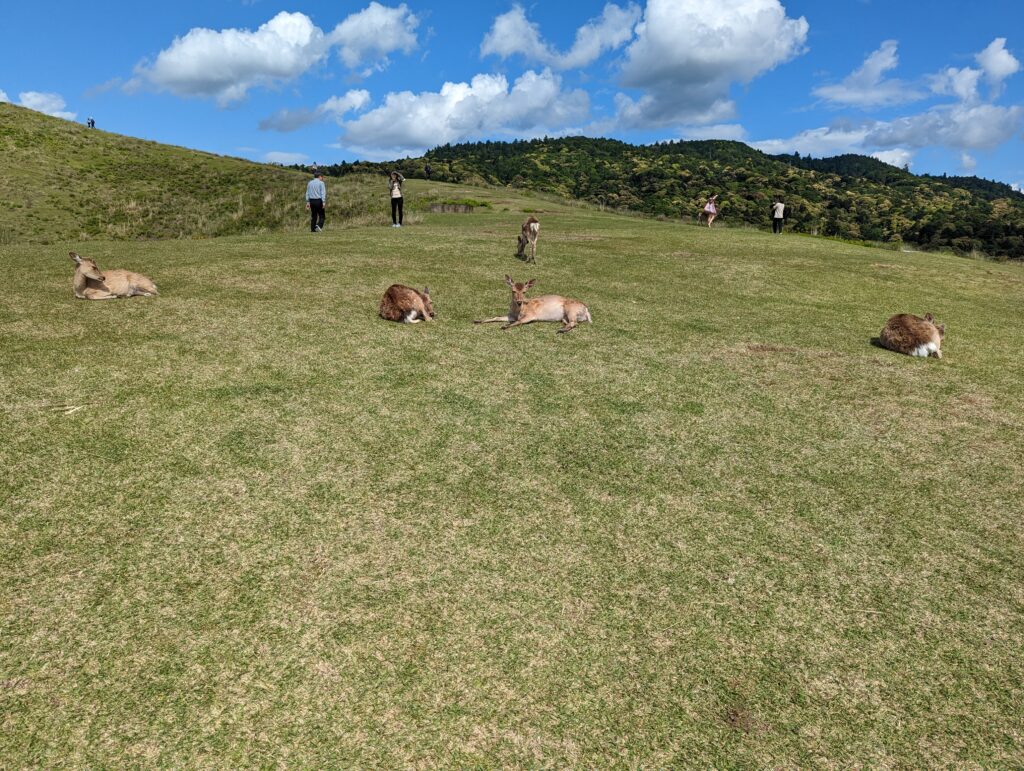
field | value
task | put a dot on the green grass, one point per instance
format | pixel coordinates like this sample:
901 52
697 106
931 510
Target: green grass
61 181
247 523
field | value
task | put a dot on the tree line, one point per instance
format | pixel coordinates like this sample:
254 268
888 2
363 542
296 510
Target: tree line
848 196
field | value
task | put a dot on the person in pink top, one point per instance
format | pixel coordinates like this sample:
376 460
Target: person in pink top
711 209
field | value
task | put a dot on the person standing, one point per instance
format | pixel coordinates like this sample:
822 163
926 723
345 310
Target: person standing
778 215
395 186
711 209
316 201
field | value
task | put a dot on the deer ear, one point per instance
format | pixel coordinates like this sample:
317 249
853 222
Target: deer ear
942 331
426 291
929 317
75 256
530 283
509 281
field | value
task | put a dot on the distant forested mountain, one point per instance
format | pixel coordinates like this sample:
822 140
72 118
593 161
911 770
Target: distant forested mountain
849 196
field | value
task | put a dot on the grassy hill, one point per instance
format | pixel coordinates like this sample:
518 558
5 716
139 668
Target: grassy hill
850 196
249 523
60 181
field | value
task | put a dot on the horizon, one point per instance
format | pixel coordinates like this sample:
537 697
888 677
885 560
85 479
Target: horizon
381 81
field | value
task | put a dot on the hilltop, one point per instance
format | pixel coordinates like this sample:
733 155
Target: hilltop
61 180
849 196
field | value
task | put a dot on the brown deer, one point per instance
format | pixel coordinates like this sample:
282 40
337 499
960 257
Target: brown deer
912 335
528 235
93 284
550 307
407 305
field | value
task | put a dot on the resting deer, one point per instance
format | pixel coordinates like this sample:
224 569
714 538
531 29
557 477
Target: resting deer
528 235
93 284
912 335
405 304
550 307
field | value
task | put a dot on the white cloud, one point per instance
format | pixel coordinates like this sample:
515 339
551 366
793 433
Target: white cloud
51 104
830 140
896 157
688 53
961 83
997 62
1017 187
718 131
335 107
962 127
967 124
409 123
968 162
373 33
865 86
513 33
285 159
226 64
3 96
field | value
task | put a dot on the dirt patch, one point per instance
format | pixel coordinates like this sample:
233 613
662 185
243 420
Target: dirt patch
740 718
769 348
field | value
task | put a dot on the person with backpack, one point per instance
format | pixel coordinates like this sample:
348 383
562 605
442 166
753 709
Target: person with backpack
395 187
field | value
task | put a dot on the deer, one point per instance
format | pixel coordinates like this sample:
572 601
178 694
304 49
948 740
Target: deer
550 307
407 305
913 335
93 284
528 235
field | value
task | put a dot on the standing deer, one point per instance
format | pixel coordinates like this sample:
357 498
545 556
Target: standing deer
92 284
405 304
550 307
912 335
528 235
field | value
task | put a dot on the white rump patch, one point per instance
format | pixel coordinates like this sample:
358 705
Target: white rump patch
921 350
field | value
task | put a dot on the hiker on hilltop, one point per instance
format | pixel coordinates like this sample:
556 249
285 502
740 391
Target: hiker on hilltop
778 215
395 187
316 201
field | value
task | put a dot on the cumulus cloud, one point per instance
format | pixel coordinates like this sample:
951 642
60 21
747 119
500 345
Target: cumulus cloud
968 162
411 123
335 107
836 139
687 54
1017 187
513 33
718 131
51 104
962 127
373 33
3 96
967 124
226 64
285 159
897 157
997 62
866 86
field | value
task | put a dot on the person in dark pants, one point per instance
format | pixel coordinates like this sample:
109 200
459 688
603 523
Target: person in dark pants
316 201
778 216
395 186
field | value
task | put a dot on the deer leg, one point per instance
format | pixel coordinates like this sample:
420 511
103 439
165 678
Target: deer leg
491 321
518 322
569 325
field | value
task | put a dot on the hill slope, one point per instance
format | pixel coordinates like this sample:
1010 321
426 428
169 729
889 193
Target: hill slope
851 197
248 522
60 180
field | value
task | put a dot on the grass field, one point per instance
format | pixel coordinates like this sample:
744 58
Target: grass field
247 523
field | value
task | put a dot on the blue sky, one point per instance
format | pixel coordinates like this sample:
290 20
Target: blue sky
938 85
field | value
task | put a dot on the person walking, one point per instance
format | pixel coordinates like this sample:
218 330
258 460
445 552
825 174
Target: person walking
778 215
711 209
395 186
316 201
